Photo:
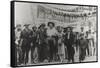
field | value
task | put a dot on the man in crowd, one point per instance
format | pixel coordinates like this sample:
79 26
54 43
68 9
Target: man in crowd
87 48
69 41
82 45
25 43
43 48
82 31
91 42
51 33
77 41
33 42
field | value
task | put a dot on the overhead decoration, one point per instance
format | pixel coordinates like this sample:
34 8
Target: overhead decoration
65 15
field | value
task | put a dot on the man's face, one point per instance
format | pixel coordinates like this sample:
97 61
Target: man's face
42 28
59 29
68 29
51 25
86 33
35 28
89 31
82 29
19 29
77 33
26 27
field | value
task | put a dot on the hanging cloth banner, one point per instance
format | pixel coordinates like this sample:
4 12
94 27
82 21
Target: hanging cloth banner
47 12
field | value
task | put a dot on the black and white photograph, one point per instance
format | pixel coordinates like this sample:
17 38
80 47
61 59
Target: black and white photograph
49 33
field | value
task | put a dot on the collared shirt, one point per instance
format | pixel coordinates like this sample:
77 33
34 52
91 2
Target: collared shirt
51 32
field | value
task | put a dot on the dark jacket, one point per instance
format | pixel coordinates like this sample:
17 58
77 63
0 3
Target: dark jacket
70 40
26 37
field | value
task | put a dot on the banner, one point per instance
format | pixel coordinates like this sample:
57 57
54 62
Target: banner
62 15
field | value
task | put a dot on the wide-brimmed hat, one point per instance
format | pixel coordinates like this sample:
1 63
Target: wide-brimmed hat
69 28
66 28
34 27
51 23
26 24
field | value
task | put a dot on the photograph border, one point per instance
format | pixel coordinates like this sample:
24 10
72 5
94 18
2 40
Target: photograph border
12 35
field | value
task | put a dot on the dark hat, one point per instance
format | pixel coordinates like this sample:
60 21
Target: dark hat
34 27
42 25
51 23
18 25
57 27
66 28
26 24
69 27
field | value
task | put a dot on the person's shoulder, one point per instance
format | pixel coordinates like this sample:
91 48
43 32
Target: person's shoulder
48 28
23 31
54 29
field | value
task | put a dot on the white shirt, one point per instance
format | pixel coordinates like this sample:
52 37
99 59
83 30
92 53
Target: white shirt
17 36
51 32
90 36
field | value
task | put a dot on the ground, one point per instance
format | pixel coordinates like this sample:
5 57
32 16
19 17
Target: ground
76 58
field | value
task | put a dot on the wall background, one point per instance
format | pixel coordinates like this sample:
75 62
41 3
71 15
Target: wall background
5 34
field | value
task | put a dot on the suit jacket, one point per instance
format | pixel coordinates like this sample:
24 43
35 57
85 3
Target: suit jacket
69 40
83 43
26 37
42 36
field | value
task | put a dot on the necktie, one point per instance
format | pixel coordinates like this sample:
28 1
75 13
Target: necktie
68 35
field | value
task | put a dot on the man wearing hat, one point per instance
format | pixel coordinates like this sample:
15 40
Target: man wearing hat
34 42
69 41
25 43
42 48
52 33
82 31
82 48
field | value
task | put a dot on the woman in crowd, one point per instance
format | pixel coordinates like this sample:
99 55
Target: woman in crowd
61 48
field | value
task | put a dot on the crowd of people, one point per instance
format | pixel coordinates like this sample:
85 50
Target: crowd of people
52 43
